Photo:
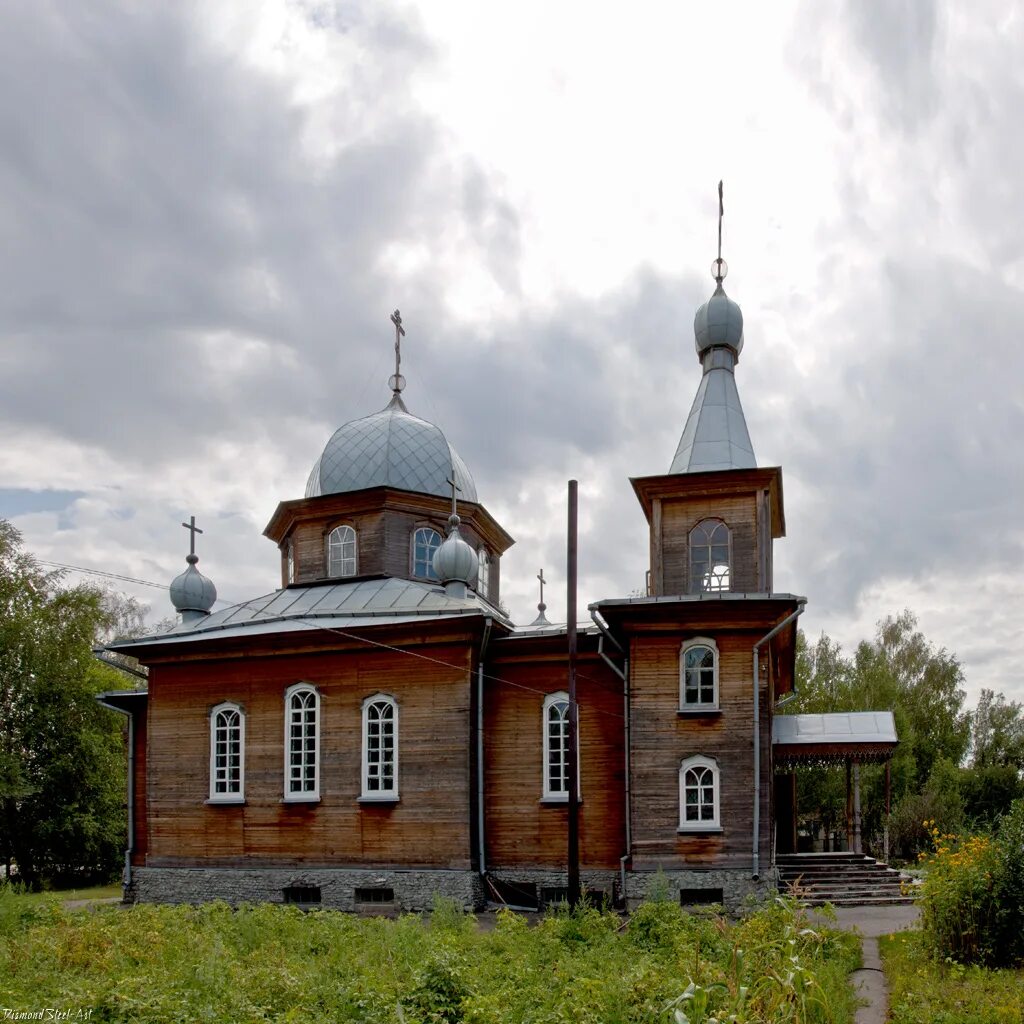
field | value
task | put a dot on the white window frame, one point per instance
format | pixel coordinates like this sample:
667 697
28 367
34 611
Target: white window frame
231 796
561 794
483 572
289 557
710 588
383 795
713 824
688 645
340 543
303 795
430 574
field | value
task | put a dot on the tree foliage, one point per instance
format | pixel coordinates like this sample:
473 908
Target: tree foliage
62 765
902 671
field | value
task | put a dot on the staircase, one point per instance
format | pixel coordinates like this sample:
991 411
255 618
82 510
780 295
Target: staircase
842 879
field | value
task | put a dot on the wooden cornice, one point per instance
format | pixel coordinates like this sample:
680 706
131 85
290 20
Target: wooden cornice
373 499
714 483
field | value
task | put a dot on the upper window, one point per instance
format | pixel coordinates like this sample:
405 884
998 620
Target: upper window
380 748
698 675
425 542
556 747
698 794
483 573
709 556
289 555
227 754
341 552
302 743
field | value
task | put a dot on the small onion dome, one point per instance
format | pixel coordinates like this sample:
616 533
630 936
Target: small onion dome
718 322
455 561
192 592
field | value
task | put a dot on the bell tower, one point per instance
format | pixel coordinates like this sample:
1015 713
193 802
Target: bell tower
714 515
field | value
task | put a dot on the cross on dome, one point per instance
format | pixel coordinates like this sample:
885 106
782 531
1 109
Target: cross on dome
193 530
397 381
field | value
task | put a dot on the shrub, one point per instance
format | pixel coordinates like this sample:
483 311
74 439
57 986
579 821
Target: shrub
973 894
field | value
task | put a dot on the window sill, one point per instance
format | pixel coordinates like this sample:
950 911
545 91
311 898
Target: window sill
387 798
232 801
697 830
303 798
557 801
698 712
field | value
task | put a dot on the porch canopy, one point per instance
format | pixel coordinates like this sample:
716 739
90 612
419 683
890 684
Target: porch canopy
856 737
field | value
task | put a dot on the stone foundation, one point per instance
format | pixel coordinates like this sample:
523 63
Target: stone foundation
414 889
700 885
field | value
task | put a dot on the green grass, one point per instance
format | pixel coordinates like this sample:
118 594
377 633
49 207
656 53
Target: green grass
274 963
923 991
93 892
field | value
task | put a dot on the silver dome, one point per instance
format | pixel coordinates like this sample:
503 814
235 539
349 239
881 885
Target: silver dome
719 322
455 561
192 591
391 448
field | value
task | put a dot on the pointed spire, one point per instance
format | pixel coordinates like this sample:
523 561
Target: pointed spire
716 436
192 593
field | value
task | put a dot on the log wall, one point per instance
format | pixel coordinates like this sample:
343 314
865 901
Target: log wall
428 826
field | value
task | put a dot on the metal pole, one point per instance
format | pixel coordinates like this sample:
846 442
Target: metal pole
849 809
572 753
888 793
857 844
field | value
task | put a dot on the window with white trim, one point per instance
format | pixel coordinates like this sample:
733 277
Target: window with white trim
227 754
556 747
380 748
483 573
302 742
710 549
425 541
698 675
698 794
289 555
341 552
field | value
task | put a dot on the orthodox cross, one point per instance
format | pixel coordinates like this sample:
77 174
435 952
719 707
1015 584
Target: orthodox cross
193 530
720 268
540 576
397 382
455 487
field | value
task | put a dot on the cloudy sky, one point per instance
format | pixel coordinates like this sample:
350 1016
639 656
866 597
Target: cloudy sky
208 211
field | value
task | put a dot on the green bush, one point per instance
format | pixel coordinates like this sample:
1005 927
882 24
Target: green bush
973 895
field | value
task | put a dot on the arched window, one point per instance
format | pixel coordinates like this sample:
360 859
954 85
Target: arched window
709 556
698 675
227 754
483 573
380 748
698 794
425 541
302 742
341 552
556 747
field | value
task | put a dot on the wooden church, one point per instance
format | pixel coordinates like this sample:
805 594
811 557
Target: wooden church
377 731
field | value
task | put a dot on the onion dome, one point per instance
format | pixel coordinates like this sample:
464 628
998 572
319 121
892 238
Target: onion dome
391 448
192 593
455 562
719 322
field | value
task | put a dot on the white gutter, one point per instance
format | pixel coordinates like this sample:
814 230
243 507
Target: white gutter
756 865
482 867
623 674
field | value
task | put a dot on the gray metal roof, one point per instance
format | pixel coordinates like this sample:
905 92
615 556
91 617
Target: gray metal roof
718 322
715 435
356 602
391 448
702 597
838 727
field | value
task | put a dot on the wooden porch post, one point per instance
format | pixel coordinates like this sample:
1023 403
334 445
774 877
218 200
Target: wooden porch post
849 809
888 795
858 846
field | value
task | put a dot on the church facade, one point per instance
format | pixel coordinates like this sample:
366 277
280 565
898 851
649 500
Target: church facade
376 730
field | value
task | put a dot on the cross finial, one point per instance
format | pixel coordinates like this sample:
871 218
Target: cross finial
455 487
720 268
540 576
541 619
193 530
397 382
